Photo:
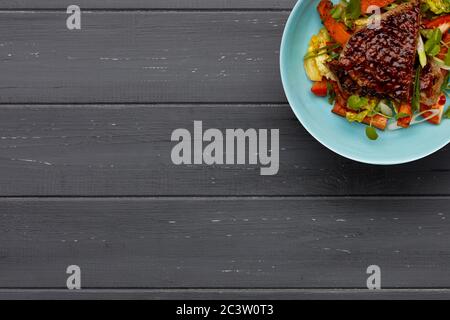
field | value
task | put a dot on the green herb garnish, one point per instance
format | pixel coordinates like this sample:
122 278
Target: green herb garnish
353 9
433 44
336 12
415 101
371 133
333 55
321 51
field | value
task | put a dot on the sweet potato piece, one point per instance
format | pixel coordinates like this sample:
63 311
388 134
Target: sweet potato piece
337 30
377 121
379 3
406 109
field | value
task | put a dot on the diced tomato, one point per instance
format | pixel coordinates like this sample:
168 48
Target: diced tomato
319 88
440 105
405 108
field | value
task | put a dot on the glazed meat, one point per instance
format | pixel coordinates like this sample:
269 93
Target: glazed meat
380 61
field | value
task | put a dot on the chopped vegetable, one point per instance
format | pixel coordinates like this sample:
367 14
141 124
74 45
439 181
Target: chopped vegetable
405 108
353 9
377 121
401 115
415 101
440 105
442 22
319 51
421 52
320 88
361 22
356 102
433 44
311 70
358 117
439 6
371 133
365 4
337 30
336 12
385 109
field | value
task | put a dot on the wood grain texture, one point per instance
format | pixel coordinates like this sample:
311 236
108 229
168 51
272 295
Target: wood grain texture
149 4
225 242
126 150
141 57
226 294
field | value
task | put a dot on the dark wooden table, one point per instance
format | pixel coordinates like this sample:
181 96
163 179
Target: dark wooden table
86 177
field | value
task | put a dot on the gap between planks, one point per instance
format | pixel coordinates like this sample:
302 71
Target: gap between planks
46 105
222 198
224 293
144 10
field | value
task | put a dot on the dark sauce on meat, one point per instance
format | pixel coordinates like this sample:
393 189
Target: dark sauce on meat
380 61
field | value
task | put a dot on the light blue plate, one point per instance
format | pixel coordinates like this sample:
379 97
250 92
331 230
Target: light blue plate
334 132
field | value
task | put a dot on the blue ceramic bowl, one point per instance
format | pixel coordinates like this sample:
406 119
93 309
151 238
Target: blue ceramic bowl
334 132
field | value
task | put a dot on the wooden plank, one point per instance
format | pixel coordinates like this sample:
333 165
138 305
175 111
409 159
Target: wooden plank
146 4
225 242
140 56
227 294
126 150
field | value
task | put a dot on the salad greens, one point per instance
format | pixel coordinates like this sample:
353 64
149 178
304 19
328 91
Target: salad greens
438 6
433 44
356 102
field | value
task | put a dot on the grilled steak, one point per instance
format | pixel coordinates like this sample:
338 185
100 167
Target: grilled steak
380 61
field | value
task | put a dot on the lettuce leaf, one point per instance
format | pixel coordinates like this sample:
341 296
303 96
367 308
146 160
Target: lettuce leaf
439 6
